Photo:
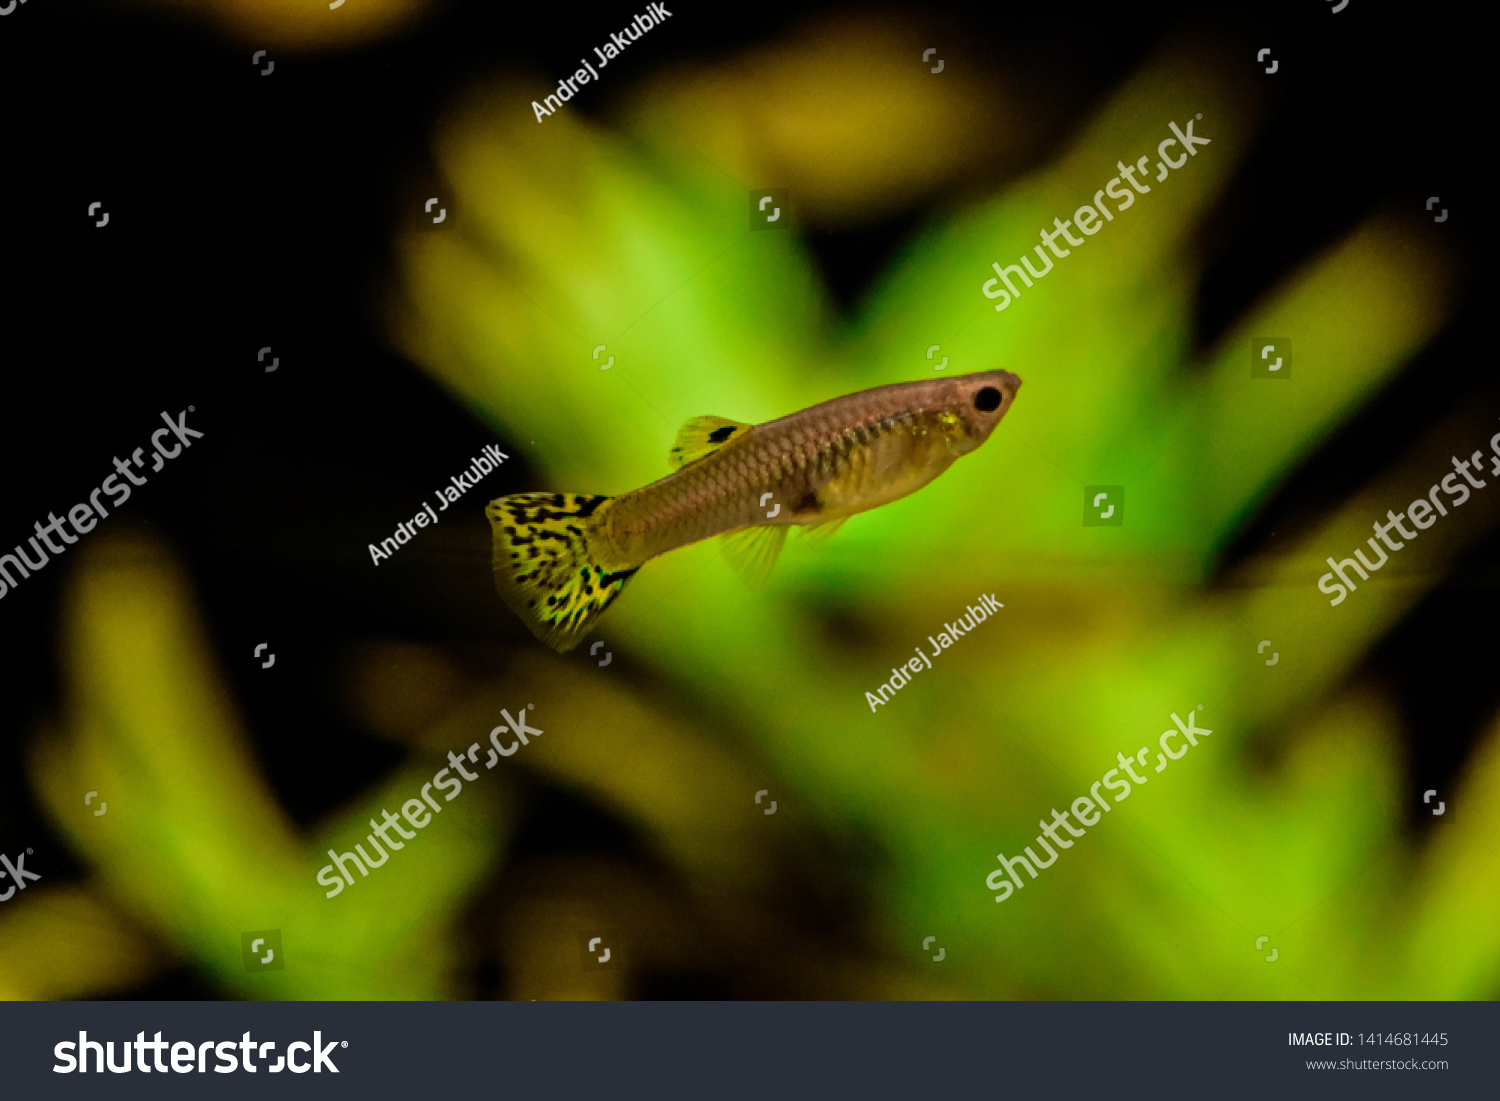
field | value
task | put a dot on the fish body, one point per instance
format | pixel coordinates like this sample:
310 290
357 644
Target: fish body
562 558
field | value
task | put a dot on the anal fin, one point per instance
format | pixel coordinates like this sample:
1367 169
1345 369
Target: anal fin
815 535
752 552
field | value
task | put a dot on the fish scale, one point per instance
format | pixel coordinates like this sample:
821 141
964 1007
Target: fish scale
562 558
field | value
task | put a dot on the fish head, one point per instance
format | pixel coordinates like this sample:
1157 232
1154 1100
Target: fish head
974 405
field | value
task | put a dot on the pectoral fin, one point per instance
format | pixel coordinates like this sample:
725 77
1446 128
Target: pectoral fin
702 436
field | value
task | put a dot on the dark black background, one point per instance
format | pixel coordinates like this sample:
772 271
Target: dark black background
247 212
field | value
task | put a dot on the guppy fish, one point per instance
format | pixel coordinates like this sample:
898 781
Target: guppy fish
561 559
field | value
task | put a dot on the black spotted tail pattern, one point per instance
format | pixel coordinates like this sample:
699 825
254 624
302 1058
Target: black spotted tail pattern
548 563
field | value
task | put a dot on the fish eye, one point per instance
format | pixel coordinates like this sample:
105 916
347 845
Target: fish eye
987 400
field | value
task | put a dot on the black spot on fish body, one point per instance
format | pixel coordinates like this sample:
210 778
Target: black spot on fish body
719 435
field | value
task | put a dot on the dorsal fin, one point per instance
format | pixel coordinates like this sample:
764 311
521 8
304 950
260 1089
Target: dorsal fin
702 436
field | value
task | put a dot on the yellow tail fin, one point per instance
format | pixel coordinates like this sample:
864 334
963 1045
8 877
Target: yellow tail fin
547 563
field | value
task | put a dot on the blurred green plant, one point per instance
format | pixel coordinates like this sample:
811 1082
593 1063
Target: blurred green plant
294 25
193 848
1286 823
